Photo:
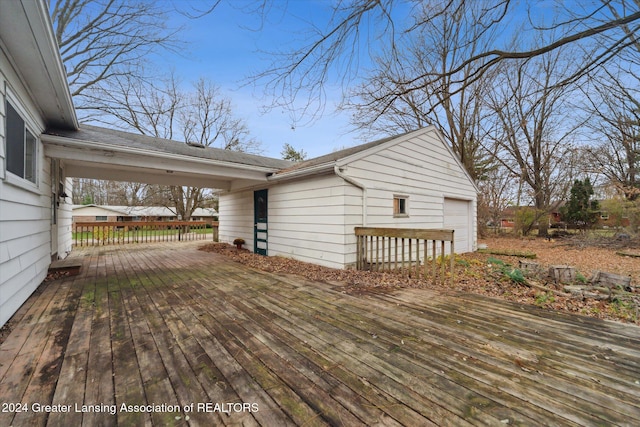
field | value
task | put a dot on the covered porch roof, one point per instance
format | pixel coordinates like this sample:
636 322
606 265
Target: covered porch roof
100 153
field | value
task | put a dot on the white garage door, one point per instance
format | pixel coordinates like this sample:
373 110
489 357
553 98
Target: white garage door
457 215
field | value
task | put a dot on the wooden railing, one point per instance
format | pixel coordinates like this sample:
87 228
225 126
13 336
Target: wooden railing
405 250
127 232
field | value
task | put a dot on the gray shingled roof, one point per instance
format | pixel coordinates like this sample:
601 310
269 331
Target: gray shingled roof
336 155
131 140
125 139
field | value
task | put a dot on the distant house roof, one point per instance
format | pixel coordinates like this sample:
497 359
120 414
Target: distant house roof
161 211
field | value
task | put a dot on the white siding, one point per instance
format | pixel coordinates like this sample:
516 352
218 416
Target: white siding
306 220
422 169
25 225
236 217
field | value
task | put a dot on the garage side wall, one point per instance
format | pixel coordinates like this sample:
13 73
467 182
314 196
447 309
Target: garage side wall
236 217
422 170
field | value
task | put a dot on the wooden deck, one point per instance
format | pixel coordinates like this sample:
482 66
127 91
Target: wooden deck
194 339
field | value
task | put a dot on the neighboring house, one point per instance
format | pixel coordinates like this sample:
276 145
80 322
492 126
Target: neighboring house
306 211
309 211
509 214
93 213
35 223
612 220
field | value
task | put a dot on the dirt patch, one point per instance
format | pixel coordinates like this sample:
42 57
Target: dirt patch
475 274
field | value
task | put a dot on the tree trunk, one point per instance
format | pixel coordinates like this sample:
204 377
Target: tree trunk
562 274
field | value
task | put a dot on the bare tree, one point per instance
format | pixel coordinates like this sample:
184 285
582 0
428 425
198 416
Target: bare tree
203 116
383 103
101 40
533 128
498 190
613 98
604 29
617 124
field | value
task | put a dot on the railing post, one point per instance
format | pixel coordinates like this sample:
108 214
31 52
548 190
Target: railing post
435 259
452 256
410 266
444 264
426 257
377 253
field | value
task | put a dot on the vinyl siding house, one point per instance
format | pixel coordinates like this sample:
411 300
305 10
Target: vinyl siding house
35 221
42 145
308 211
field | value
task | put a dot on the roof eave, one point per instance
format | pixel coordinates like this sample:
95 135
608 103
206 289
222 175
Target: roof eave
28 35
97 146
299 173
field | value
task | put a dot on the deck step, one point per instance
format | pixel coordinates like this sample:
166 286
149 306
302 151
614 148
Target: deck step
70 266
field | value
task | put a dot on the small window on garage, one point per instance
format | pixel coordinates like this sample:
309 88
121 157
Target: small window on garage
400 206
101 218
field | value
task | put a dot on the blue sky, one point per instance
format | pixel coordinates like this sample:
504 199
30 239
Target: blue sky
228 46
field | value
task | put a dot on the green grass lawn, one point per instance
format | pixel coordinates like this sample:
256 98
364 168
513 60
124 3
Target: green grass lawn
133 234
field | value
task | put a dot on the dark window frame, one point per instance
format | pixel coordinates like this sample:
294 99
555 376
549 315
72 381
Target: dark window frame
21 146
400 206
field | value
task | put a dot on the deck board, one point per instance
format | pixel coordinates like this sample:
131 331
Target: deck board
166 324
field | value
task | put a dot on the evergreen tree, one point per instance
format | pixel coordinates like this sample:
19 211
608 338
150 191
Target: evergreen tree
290 153
581 211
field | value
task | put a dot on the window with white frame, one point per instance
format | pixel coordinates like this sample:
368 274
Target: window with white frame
21 155
400 206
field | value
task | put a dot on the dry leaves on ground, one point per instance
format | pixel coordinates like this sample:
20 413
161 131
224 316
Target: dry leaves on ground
586 255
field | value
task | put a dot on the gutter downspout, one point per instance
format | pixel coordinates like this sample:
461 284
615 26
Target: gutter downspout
361 186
